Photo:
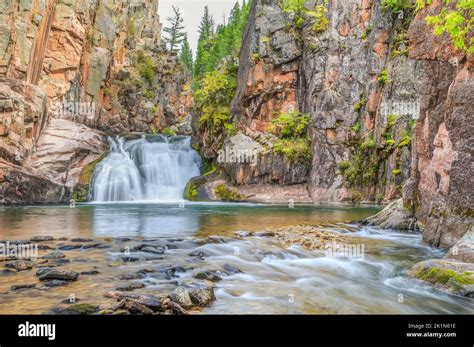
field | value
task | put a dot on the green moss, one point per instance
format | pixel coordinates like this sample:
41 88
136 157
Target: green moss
368 144
383 78
82 309
406 140
168 132
191 192
451 278
357 127
343 166
396 172
226 194
362 102
290 125
256 57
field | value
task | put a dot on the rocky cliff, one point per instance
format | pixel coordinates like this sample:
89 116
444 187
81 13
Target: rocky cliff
73 72
389 111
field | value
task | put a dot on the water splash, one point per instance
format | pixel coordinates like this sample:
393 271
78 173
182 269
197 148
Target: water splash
148 169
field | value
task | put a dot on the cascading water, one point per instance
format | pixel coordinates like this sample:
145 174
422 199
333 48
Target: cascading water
156 168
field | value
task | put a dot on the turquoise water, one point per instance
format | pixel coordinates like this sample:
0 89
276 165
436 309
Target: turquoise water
163 220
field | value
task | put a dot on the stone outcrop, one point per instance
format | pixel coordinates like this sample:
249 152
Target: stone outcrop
72 73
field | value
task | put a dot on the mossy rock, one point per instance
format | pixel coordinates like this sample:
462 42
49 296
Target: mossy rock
81 309
225 193
456 277
81 191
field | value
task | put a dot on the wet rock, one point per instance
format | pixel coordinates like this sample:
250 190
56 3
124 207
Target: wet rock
243 234
131 287
453 276
176 308
78 309
54 255
55 283
181 296
41 238
114 295
20 287
81 240
197 254
7 272
154 250
231 269
19 265
90 273
44 247
208 275
394 216
46 274
136 308
171 273
132 276
153 302
96 245
53 263
69 247
202 296
264 234
70 301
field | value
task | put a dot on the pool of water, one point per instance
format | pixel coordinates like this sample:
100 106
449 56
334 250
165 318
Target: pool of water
163 220
274 278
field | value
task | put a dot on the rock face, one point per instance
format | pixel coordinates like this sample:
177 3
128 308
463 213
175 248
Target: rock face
389 103
441 186
350 76
71 73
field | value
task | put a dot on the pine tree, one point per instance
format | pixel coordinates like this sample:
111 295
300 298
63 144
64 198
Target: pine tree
186 55
206 32
175 31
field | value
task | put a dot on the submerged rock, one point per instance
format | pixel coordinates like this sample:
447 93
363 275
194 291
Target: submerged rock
131 287
231 269
78 309
19 265
54 255
208 275
19 287
55 283
45 274
41 238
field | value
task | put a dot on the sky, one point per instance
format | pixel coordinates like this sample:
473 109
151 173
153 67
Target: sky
192 12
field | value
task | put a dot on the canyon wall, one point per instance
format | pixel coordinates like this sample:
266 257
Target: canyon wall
389 111
71 73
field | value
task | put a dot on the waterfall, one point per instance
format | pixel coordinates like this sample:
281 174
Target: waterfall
155 168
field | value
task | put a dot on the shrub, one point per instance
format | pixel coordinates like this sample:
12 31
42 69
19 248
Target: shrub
383 77
290 125
168 132
295 150
226 194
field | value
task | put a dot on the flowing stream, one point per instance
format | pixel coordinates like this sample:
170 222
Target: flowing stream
149 169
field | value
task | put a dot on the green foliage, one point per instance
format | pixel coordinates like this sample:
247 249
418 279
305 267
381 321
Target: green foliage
383 77
290 125
295 150
168 132
213 100
392 119
145 67
362 102
227 194
186 54
131 27
215 44
175 34
343 166
357 127
321 21
256 57
458 23
149 94
395 6
396 172
297 10
406 140
368 144
191 192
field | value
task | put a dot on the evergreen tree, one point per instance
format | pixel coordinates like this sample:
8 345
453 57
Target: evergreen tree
186 55
206 31
175 30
